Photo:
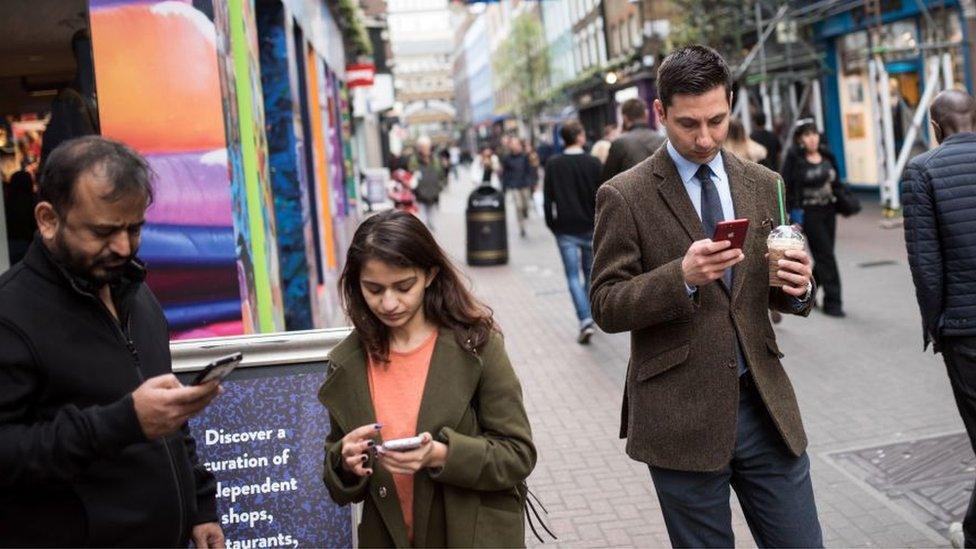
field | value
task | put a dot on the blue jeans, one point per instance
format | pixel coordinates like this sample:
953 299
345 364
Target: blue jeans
772 485
577 253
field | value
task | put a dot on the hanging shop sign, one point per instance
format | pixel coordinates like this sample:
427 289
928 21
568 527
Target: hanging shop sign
360 75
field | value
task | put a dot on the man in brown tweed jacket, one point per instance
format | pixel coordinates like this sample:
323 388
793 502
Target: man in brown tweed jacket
707 404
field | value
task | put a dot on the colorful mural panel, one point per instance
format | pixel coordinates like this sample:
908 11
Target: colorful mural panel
284 167
161 94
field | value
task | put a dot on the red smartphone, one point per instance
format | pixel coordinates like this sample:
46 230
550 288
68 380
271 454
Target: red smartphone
734 231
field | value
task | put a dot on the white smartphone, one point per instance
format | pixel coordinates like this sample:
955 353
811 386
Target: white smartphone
403 444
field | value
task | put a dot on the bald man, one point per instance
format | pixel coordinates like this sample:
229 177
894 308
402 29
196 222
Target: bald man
939 195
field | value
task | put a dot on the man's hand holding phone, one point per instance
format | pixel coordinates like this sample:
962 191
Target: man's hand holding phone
706 261
163 404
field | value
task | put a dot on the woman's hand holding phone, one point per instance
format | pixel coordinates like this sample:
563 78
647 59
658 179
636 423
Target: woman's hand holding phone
355 447
431 453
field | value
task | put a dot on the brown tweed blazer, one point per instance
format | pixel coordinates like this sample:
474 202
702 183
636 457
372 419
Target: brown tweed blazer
682 390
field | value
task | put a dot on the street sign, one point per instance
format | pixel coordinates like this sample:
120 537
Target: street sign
360 75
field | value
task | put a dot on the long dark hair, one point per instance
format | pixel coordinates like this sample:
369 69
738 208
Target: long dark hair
398 238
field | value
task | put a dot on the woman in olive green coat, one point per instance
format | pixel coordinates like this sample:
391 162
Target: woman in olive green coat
467 476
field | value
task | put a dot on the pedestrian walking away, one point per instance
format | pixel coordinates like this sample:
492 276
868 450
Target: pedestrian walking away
94 445
602 147
739 144
811 177
485 169
430 179
518 180
707 404
769 140
569 204
425 361
939 194
637 142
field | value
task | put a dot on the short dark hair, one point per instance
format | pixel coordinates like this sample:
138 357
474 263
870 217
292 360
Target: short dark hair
803 128
570 132
692 70
633 110
759 118
124 168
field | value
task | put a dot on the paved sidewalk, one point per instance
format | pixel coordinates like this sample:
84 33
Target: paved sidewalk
862 382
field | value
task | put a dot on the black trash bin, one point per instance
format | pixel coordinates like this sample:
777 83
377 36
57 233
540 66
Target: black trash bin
487 235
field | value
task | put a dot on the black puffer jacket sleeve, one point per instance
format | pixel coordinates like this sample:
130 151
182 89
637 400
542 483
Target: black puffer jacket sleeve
925 255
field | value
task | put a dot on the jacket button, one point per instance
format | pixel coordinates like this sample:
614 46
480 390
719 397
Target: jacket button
382 491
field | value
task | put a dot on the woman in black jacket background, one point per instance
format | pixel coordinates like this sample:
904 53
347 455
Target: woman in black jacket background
810 173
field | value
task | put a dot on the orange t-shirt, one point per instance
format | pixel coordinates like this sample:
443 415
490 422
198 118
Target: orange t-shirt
397 389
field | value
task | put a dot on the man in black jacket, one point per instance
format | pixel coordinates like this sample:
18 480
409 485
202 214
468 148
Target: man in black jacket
939 194
569 202
638 141
94 448
767 139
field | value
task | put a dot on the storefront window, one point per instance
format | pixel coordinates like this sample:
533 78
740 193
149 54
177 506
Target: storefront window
854 52
900 38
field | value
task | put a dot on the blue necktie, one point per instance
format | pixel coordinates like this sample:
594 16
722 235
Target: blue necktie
711 215
711 210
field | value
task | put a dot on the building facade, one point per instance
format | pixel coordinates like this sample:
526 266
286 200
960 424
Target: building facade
422 45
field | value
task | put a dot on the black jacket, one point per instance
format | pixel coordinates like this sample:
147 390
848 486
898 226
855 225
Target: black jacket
75 467
769 140
569 193
939 198
630 149
516 172
794 166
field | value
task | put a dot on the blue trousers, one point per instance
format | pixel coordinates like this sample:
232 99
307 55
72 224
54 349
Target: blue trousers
577 253
772 485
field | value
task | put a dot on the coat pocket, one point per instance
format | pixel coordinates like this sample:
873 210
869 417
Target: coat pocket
662 362
773 348
499 528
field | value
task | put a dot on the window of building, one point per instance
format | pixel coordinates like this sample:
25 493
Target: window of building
594 49
601 42
853 52
615 47
635 32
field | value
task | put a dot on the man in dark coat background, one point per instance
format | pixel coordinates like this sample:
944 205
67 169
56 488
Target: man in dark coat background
637 142
939 196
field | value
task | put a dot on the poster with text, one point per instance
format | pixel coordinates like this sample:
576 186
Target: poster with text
263 440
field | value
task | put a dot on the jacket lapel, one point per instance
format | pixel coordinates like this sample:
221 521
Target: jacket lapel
347 397
745 204
673 192
443 403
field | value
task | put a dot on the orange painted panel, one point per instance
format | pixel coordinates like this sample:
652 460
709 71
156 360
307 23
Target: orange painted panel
157 77
321 160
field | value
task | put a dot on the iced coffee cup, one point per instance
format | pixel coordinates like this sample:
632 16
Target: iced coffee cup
781 240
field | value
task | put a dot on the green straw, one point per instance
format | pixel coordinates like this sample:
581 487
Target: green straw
782 205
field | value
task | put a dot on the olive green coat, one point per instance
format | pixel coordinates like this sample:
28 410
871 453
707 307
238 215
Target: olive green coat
472 403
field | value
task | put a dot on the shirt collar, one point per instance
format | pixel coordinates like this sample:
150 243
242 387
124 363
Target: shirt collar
573 150
687 169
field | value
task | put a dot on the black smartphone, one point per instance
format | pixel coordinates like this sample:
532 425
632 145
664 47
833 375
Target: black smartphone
219 369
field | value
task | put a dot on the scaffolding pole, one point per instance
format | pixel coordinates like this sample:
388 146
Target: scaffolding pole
816 104
763 86
948 78
887 131
931 85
